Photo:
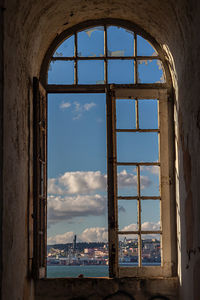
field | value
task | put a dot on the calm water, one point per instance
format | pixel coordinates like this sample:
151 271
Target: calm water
75 271
87 271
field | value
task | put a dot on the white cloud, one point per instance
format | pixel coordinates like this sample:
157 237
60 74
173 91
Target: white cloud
77 106
100 234
88 106
155 170
150 226
126 179
129 179
144 182
75 194
64 238
79 109
53 187
145 226
152 169
130 227
81 182
65 105
95 234
66 208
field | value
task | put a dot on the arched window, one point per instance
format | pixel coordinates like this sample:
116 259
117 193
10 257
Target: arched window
122 65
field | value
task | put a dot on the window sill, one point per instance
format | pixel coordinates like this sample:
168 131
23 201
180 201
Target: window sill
99 288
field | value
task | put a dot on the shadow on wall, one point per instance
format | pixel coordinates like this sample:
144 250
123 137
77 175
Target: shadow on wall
159 298
121 295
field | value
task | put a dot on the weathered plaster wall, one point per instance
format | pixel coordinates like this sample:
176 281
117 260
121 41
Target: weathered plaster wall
29 28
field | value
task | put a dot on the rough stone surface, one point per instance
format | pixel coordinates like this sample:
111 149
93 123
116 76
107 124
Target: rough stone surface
29 28
102 289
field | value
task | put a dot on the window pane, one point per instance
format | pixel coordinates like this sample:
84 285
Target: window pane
150 71
148 114
127 215
120 41
91 72
127 181
132 147
66 49
150 180
61 72
128 250
151 252
150 214
125 114
144 48
91 42
120 71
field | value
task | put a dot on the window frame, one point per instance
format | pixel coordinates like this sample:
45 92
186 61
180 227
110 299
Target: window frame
161 91
166 175
39 179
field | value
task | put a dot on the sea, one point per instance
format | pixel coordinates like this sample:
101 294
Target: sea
75 271
87 271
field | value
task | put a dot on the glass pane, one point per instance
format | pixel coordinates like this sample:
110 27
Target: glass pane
125 114
91 42
127 181
137 147
120 41
152 175
144 48
66 49
127 215
148 114
120 71
128 250
91 72
61 72
150 71
150 214
151 252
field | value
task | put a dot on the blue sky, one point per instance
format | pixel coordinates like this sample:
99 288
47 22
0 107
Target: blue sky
77 196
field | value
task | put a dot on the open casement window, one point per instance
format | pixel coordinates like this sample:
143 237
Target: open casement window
128 67
116 159
40 179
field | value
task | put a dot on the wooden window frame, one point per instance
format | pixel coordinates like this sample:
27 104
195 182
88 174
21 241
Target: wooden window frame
39 179
161 91
166 177
166 187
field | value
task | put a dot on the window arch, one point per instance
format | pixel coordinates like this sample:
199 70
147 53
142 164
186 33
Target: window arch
119 59
98 49
134 52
